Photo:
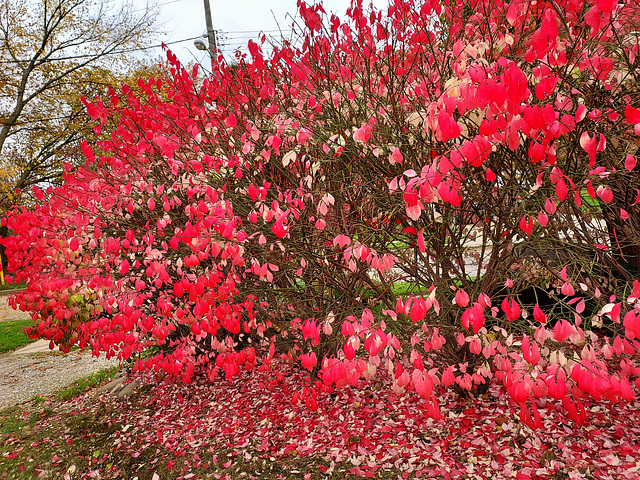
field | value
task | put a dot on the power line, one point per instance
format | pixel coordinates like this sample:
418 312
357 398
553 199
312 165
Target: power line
155 6
259 31
98 55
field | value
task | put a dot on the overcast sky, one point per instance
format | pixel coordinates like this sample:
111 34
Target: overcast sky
239 20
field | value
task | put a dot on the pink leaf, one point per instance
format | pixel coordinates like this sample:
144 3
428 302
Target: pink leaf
624 215
462 298
422 383
341 241
550 206
605 194
590 146
562 330
630 162
448 378
395 156
543 219
567 289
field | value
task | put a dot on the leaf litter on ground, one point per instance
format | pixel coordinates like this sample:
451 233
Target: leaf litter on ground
250 427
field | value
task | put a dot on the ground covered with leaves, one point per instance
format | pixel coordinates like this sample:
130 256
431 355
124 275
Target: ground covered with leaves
250 428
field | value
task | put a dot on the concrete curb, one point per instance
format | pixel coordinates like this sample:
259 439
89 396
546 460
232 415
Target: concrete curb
9 292
39 346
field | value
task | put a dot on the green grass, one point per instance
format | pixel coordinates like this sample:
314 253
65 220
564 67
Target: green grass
12 286
12 336
29 445
401 289
84 384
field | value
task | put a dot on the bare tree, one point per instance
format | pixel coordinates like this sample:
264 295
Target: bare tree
51 54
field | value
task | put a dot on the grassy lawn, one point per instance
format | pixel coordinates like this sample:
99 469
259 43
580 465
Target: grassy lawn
84 384
12 286
11 335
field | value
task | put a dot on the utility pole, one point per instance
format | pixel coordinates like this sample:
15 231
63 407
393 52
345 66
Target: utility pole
213 50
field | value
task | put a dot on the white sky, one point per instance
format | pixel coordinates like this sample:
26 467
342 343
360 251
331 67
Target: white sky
240 20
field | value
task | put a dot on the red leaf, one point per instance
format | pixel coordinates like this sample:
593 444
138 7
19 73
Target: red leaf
418 309
561 190
530 351
632 115
279 229
308 360
539 315
421 245
311 18
512 310
230 121
544 39
473 317
526 224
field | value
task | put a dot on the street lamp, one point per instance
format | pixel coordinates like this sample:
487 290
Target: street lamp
200 44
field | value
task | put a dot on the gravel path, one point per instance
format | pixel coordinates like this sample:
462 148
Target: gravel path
24 376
